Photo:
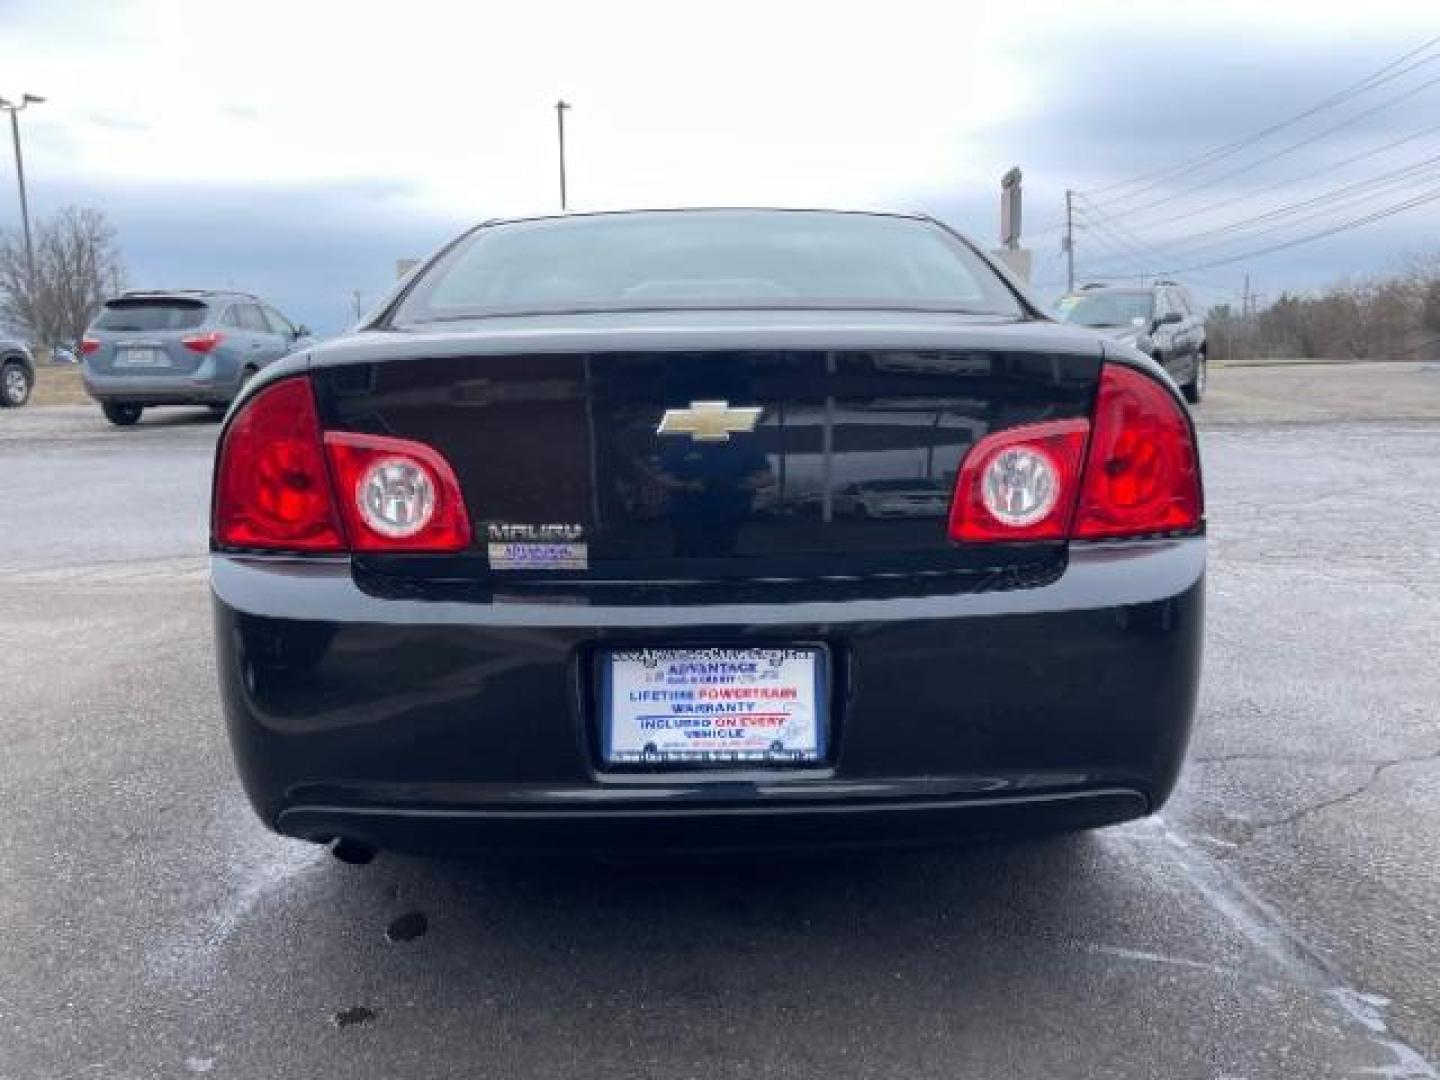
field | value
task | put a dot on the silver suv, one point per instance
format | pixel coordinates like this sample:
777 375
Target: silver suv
182 347
17 374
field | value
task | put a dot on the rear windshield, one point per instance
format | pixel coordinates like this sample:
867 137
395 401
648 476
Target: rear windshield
151 315
719 258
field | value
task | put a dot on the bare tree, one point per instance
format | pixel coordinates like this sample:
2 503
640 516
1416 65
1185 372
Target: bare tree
1422 273
1379 318
77 265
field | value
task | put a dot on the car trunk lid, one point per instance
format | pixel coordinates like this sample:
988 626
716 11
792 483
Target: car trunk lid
682 452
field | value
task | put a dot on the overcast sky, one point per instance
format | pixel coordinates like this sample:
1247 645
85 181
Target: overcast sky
297 149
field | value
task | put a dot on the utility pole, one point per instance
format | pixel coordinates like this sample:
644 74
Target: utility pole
357 301
560 107
1245 297
1069 240
15 111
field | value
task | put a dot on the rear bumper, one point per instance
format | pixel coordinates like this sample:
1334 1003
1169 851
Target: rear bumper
206 385
421 724
753 825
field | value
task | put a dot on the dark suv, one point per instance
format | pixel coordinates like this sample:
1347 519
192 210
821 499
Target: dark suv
1161 321
185 347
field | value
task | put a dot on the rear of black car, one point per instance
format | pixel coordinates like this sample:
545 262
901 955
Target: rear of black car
674 574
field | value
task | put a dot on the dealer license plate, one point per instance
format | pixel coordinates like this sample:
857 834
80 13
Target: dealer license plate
713 707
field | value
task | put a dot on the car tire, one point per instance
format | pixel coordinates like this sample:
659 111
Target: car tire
1194 390
121 415
16 382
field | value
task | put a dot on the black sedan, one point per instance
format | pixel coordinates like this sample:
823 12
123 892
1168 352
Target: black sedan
560 550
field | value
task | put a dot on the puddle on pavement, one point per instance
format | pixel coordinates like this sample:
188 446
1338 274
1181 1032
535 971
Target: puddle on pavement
356 1014
408 927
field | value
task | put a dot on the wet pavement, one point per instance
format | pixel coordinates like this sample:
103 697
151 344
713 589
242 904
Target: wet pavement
1280 919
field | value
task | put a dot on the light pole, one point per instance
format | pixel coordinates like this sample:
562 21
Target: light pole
1069 241
15 111
560 107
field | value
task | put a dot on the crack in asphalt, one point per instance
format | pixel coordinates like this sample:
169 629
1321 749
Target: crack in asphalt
1310 759
1377 770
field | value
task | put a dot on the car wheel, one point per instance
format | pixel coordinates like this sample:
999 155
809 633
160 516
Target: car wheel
1194 390
15 384
121 415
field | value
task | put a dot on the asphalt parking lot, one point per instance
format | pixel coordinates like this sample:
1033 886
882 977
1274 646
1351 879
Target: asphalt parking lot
1280 919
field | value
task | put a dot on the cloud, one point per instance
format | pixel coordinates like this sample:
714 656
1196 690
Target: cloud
357 138
115 123
303 247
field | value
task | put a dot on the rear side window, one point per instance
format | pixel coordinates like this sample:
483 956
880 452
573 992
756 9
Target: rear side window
278 322
251 319
147 314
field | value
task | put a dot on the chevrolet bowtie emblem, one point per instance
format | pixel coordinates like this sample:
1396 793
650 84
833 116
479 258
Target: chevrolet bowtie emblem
708 421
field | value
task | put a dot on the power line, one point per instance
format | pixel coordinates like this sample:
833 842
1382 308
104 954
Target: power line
1309 174
1376 78
1390 211
1056 223
1133 262
1289 149
1117 228
1341 197
1106 238
1344 197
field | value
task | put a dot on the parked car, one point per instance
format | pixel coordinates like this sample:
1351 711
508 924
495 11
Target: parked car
1161 321
474 638
180 347
17 374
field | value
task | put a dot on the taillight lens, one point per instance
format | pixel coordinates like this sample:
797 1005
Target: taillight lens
397 495
1142 474
274 491
1019 484
89 345
1134 472
272 488
202 343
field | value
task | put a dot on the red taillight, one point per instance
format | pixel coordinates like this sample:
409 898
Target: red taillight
1140 474
272 489
1019 484
397 495
89 345
202 343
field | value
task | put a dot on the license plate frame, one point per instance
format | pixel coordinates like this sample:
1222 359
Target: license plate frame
808 715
